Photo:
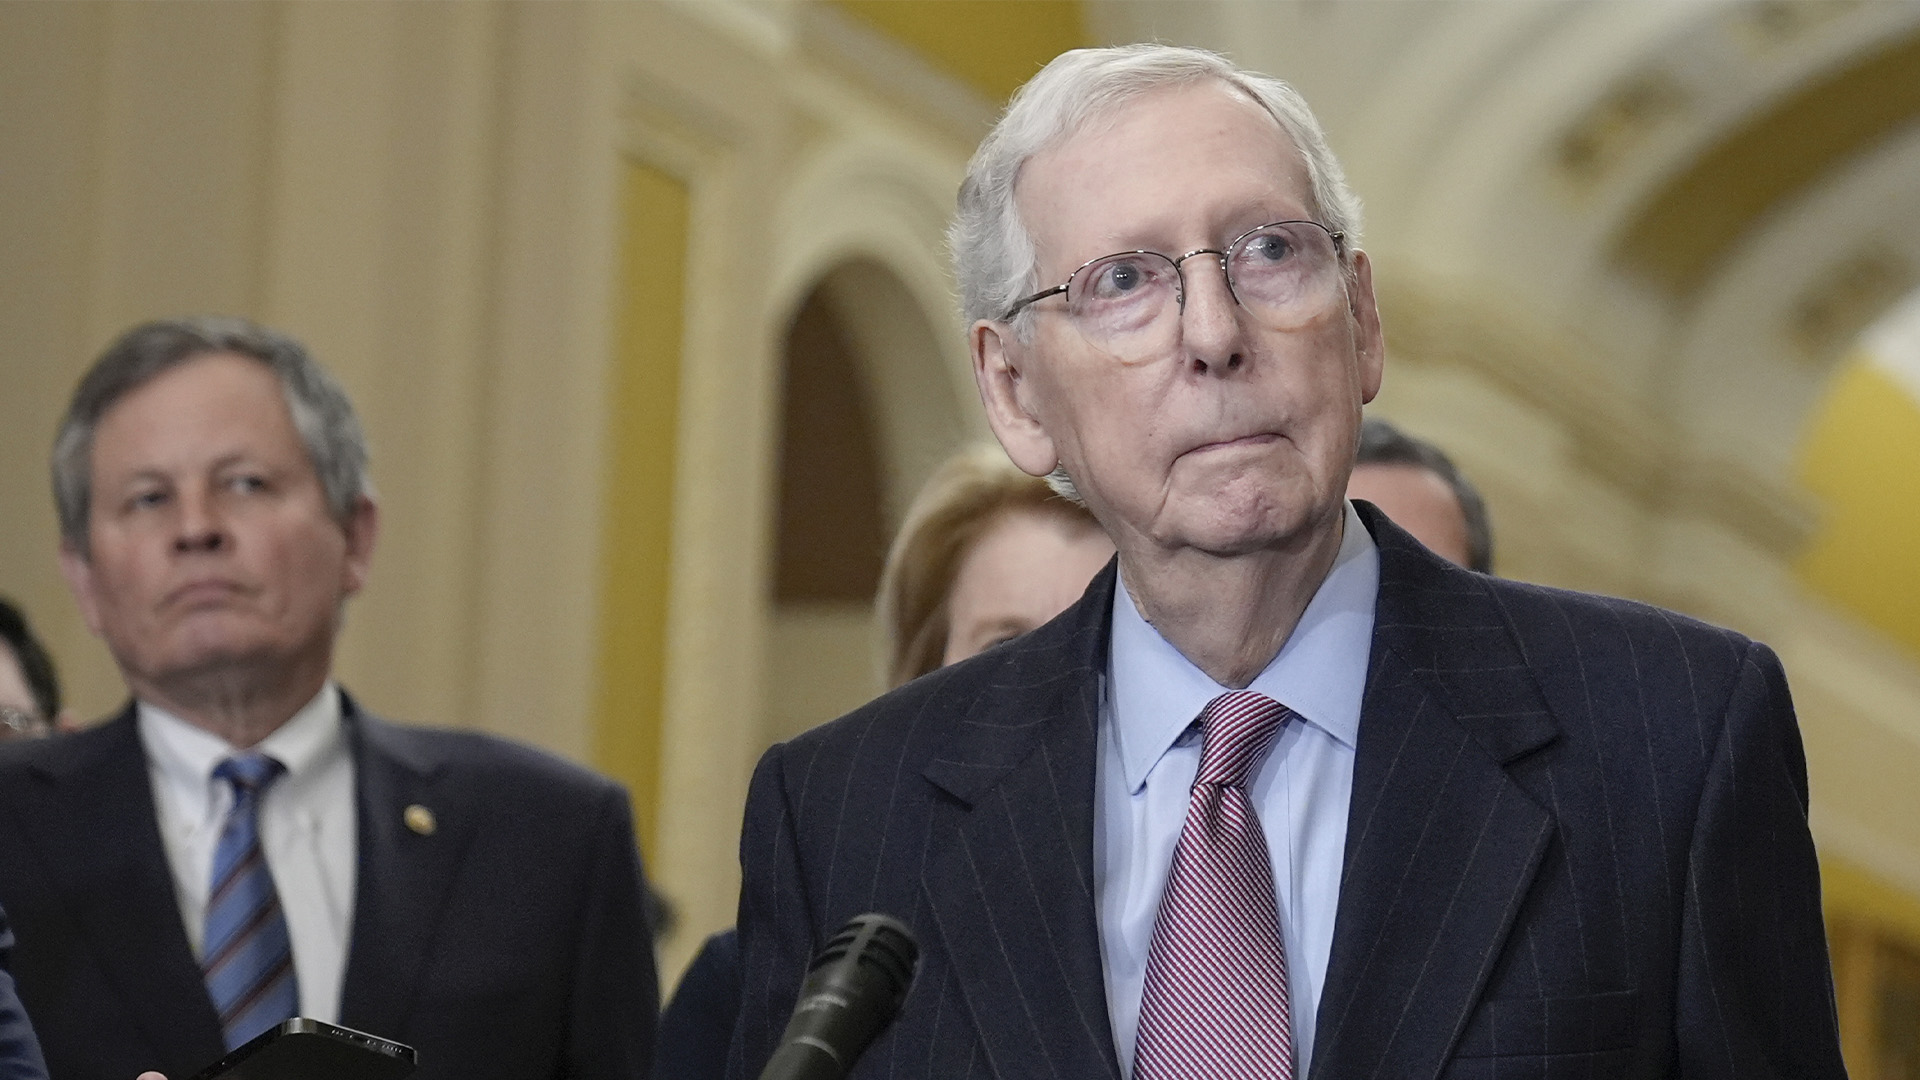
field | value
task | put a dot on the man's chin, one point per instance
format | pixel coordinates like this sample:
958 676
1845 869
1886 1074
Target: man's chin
203 662
1231 540
1249 523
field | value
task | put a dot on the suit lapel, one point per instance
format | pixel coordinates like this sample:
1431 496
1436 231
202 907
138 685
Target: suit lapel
1012 897
1442 844
411 843
100 842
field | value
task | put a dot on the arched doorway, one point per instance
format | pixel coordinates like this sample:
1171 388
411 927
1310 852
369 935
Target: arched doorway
867 410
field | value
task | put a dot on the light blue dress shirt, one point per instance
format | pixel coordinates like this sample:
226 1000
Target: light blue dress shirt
1149 753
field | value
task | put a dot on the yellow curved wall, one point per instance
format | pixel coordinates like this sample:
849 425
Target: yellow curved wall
637 542
1861 458
991 45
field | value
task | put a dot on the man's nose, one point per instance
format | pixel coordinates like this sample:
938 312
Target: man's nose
198 527
1210 318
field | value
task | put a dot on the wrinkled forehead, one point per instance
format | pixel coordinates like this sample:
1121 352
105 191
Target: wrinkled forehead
1167 167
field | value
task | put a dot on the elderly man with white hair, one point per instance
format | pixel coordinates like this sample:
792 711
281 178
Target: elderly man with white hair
1285 794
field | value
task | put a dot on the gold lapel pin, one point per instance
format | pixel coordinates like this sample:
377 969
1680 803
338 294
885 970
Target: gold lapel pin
419 819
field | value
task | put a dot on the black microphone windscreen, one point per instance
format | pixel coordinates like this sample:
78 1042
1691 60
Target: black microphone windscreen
853 990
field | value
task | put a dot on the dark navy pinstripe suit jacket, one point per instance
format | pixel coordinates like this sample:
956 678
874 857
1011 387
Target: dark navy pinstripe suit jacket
1577 847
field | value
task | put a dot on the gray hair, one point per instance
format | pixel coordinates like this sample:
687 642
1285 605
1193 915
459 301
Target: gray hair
993 254
321 412
994 261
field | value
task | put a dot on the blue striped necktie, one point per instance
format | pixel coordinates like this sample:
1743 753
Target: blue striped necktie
247 958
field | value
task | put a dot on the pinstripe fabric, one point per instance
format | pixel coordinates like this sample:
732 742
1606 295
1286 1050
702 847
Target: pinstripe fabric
1577 847
1215 1002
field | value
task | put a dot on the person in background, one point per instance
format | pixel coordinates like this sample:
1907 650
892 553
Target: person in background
985 554
29 688
244 842
20 1057
1416 485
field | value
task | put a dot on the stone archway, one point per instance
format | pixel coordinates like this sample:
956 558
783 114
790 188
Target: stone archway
867 411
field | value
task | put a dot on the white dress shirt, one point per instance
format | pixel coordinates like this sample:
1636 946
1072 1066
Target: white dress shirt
308 824
1149 753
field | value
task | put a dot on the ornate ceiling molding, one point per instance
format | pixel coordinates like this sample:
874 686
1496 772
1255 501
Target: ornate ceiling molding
1682 230
1615 437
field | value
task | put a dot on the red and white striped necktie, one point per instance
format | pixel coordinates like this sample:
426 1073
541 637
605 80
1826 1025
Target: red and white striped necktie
1215 1004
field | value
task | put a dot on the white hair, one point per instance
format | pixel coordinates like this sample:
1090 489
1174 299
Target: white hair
993 254
994 261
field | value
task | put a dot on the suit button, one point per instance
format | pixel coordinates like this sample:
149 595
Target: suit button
420 819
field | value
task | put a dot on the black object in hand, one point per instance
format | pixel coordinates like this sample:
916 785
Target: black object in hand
303 1049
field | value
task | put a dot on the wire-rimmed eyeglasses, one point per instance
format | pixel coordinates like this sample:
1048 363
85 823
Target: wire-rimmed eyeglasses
1282 272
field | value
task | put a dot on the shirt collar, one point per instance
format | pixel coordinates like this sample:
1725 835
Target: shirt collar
1320 673
185 755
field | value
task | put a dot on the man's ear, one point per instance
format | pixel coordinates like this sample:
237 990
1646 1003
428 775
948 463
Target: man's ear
362 529
78 571
1369 341
998 370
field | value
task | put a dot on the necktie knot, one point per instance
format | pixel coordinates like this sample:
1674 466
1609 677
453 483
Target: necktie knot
1237 731
249 773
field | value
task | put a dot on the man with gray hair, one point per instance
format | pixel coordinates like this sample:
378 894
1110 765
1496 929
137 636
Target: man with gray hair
1285 795
244 842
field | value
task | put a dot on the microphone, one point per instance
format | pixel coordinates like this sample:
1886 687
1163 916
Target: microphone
853 990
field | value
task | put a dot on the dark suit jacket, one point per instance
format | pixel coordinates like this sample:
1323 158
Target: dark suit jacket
697 1024
508 943
19 1052
1577 847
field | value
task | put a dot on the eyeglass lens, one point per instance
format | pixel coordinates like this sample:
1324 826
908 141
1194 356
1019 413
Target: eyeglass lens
1282 273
